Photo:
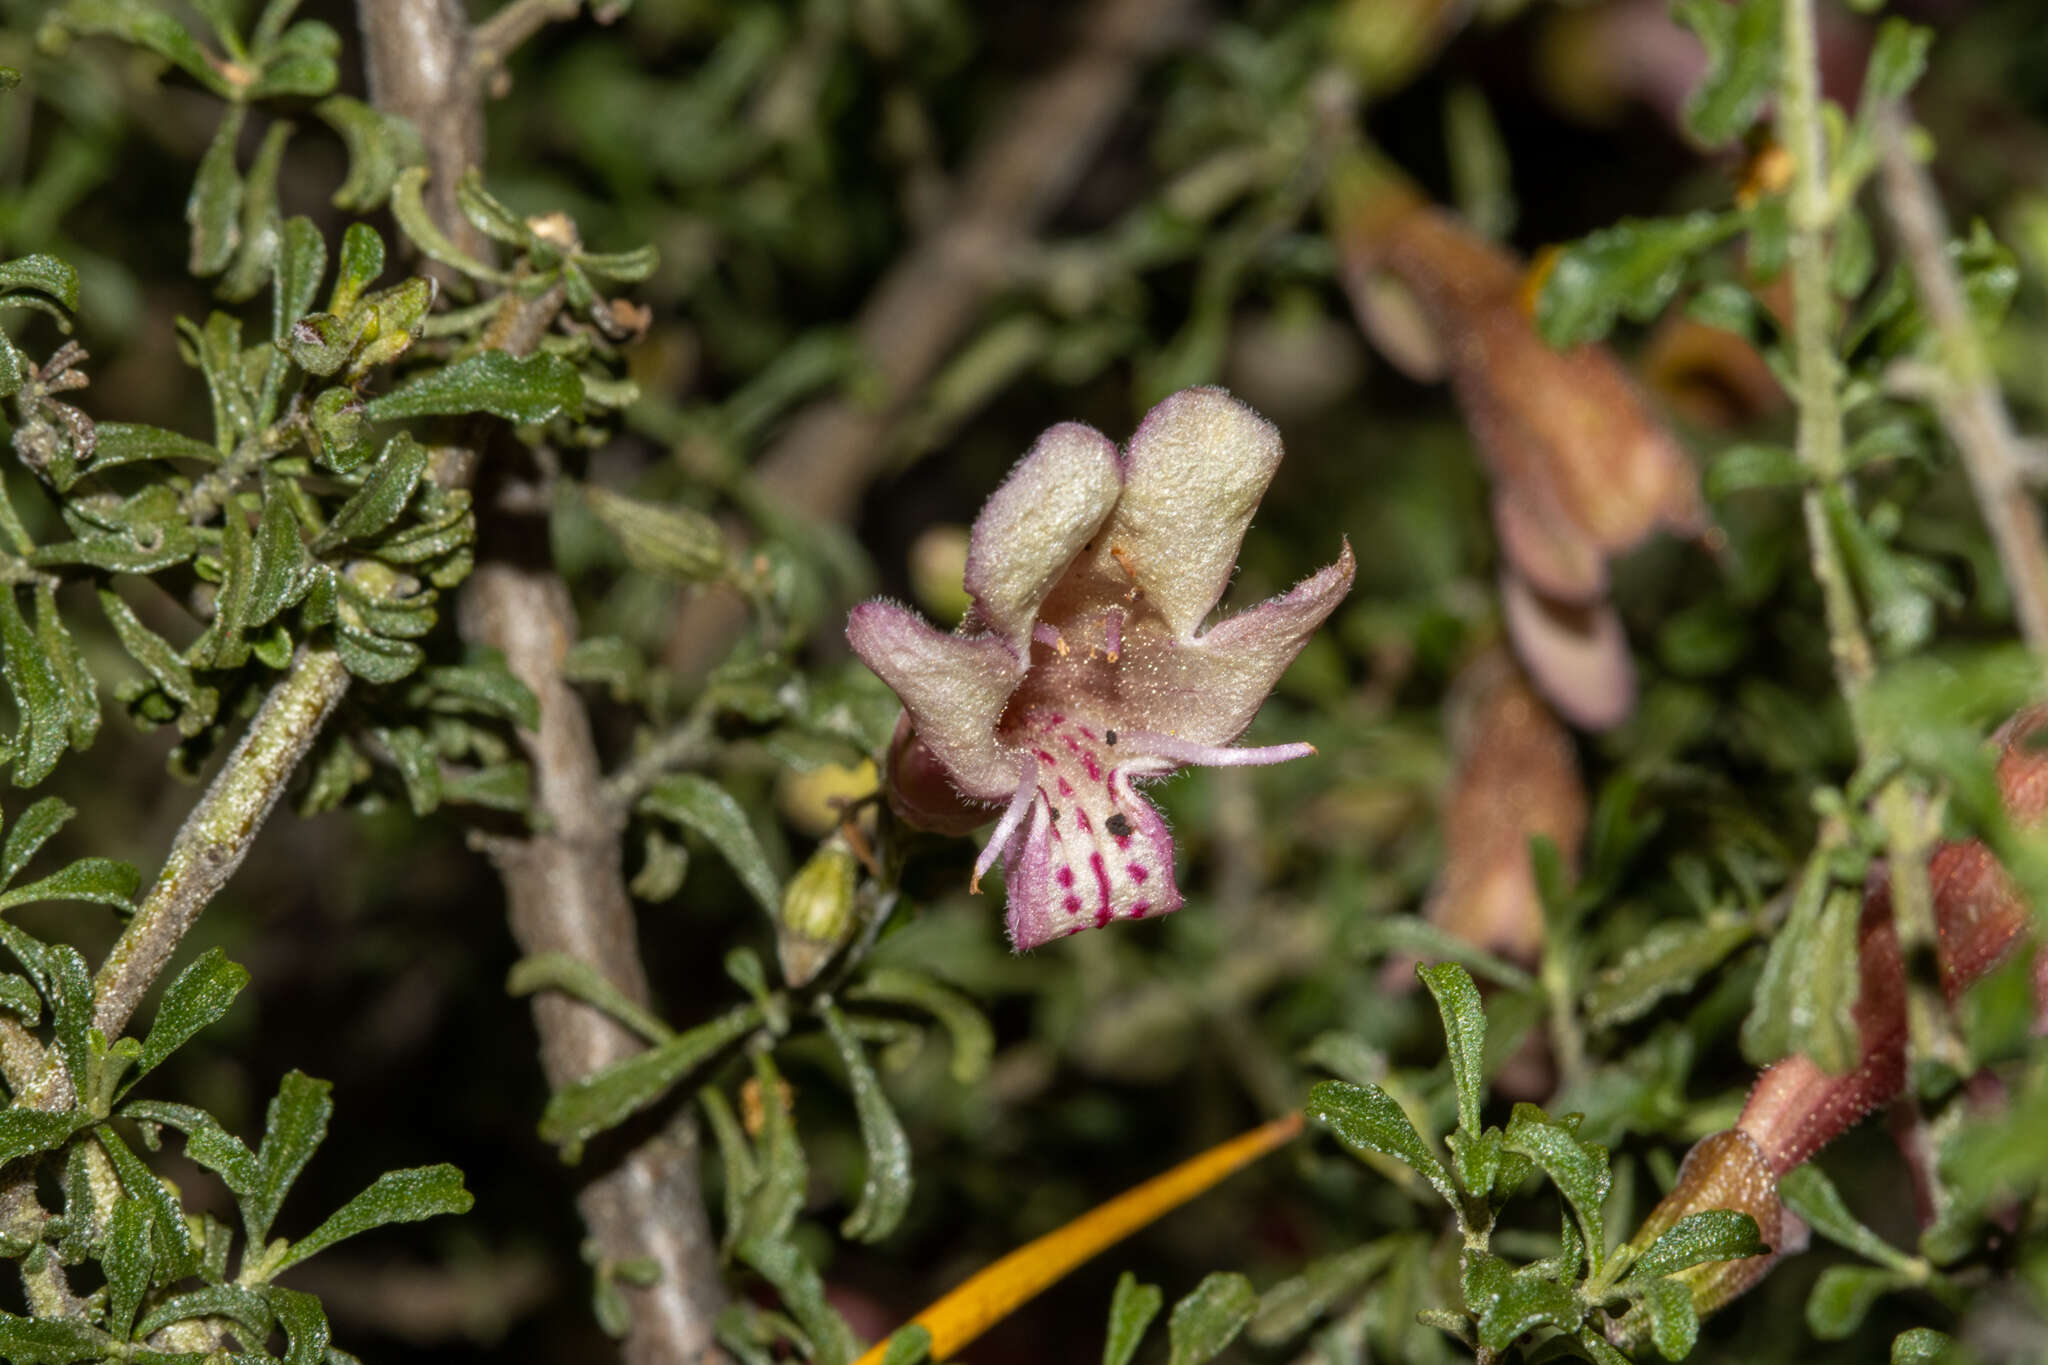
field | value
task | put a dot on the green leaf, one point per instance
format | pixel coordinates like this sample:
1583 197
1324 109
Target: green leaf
201 994
1406 934
1579 1170
1697 1238
301 262
520 389
1674 1323
276 573
803 1293
973 1040
302 63
604 1099
1742 65
1210 1318
1749 464
32 829
696 802
215 206
885 1193
1631 269
668 540
1807 1191
1131 1310
206 1142
377 148
1897 60
375 659
292 1131
385 491
1365 1118
246 1308
99 880
23 1131
573 976
1508 1305
163 664
394 1197
1457 1001
1290 1307
176 1256
1920 1346
408 206
45 718
43 274
910 1345
304 1322
126 442
1843 1296
20 998
1668 960
261 226
51 1341
1806 999
128 1261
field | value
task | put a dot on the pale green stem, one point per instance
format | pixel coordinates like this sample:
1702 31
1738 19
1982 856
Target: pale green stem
1817 393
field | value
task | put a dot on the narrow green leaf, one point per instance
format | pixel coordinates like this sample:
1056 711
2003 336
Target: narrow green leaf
51 1341
1674 1323
246 1308
1365 1118
573 976
778 1197
377 148
301 262
408 206
1210 1318
99 880
176 1256
261 226
584 1108
70 995
304 1322
973 1040
1667 961
206 1142
1457 1001
1697 1238
165 666
200 995
481 685
23 1131
698 803
1508 1305
215 206
1407 934
1843 1296
1289 1308
1742 65
32 829
885 1193
521 389
277 564
45 275
302 63
374 658
45 725
1631 269
1131 1310
128 1261
803 1293
1897 60
1749 464
385 491
147 25
19 997
1579 1170
74 678
292 1130
1807 1191
910 1345
394 1197
1806 999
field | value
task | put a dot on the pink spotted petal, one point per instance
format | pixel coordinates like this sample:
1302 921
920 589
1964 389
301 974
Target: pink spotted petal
1205 691
1031 528
1193 475
954 688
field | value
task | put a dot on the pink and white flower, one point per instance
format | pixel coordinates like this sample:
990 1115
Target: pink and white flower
1082 669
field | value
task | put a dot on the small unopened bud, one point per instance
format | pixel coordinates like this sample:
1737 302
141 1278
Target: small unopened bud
1724 1171
818 914
669 540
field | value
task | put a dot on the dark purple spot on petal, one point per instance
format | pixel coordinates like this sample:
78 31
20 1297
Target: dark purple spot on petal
1109 736
1073 905
1066 876
1118 825
1137 870
1138 910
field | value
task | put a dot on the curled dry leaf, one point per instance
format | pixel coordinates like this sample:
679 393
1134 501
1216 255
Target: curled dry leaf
1517 777
1582 470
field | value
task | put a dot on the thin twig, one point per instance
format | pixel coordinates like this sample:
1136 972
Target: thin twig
565 882
928 299
498 37
676 748
1817 376
217 834
1966 393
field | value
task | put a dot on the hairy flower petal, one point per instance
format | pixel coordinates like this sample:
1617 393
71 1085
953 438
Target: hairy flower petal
1193 475
1206 690
954 688
1031 528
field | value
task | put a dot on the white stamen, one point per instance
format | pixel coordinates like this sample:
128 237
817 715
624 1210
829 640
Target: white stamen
1209 755
1113 633
1006 828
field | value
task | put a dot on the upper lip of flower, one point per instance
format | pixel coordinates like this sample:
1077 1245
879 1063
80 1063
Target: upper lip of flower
1082 665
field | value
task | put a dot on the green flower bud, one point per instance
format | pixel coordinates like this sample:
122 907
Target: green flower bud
818 914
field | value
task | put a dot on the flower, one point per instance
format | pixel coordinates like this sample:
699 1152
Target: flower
1082 669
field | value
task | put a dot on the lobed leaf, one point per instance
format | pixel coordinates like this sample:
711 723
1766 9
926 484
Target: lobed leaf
394 1197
